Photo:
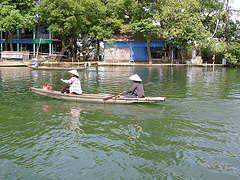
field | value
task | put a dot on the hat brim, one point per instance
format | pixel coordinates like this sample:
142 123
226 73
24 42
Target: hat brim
135 77
74 72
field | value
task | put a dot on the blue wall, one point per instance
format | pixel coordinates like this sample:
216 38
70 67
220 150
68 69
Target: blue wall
20 41
139 49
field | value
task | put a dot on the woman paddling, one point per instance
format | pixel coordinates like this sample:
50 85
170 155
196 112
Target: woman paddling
136 89
74 84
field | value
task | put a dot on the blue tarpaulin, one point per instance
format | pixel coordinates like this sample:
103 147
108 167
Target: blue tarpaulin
28 41
140 54
134 44
20 41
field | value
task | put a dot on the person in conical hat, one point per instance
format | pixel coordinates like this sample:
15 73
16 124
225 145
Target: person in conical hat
136 90
74 84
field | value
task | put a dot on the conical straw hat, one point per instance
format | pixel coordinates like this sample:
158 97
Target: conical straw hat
74 72
135 77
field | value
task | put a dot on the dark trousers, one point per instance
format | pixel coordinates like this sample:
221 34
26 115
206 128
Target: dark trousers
130 96
65 89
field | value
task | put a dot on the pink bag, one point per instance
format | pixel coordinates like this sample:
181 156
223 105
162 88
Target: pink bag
47 87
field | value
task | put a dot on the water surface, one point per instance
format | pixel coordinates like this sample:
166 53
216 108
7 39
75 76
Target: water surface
194 134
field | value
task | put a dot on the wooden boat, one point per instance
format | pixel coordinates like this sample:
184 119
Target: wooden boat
58 68
95 97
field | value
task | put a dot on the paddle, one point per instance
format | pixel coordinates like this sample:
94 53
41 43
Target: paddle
110 97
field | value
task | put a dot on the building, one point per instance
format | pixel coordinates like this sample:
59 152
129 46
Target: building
133 47
38 41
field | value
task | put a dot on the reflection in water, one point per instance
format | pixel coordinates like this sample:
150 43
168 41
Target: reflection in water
46 108
202 81
13 73
72 122
35 75
70 115
135 130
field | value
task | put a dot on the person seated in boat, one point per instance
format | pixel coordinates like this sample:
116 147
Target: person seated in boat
35 64
74 84
136 89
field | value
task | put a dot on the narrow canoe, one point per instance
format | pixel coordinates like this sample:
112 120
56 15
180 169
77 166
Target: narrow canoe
58 68
95 97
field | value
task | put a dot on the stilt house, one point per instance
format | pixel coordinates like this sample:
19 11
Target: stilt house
38 41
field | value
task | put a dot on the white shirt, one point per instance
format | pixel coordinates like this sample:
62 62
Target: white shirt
75 85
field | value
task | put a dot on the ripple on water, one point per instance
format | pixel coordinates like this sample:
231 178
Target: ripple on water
194 134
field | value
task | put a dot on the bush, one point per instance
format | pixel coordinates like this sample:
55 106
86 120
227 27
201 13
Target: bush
221 49
233 54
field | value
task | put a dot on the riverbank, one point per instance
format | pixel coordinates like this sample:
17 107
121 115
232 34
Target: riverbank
156 65
12 64
97 63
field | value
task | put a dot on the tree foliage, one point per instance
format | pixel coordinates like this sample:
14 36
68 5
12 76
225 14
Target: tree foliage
180 22
184 23
66 19
222 34
15 15
146 27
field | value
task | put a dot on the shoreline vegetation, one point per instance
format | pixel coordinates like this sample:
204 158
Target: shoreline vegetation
123 29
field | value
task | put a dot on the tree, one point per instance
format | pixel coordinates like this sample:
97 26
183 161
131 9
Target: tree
15 15
132 16
66 19
222 38
100 24
146 27
180 22
111 17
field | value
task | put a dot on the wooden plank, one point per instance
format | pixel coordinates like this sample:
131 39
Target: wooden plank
13 54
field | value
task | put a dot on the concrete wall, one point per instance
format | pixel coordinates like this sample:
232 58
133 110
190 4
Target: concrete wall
117 54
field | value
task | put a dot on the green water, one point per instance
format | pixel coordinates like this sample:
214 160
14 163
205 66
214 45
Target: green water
194 134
